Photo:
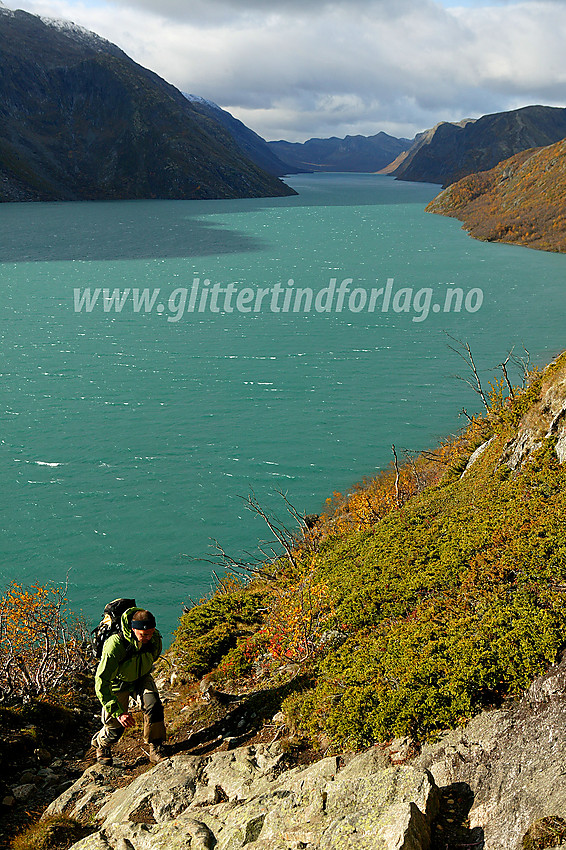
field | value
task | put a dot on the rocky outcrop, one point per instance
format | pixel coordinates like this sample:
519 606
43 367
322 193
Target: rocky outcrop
545 419
514 762
80 120
476 455
245 798
451 151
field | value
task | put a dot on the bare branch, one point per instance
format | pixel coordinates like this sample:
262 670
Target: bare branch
505 375
467 357
410 458
525 364
282 534
286 543
396 478
247 564
307 537
39 644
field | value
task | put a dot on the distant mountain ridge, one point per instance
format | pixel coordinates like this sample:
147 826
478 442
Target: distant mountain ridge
448 152
521 201
353 153
81 120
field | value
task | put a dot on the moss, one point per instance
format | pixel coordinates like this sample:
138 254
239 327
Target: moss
546 832
54 833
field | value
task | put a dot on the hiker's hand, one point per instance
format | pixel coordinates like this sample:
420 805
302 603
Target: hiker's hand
127 721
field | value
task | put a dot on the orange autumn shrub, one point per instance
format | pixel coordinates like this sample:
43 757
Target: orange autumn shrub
41 643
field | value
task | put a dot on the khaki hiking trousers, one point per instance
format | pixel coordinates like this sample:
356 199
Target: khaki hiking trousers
145 690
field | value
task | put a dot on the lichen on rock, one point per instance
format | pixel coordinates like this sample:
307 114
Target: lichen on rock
324 806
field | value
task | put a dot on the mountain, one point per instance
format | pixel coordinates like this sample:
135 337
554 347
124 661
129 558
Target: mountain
448 152
521 201
81 120
420 140
354 153
252 145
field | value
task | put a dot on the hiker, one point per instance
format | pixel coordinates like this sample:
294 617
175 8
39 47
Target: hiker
124 670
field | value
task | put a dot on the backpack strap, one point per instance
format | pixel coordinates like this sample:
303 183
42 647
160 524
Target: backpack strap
130 650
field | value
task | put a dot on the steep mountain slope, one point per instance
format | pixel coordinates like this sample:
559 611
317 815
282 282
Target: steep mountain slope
422 139
251 145
420 598
449 152
354 153
522 200
80 120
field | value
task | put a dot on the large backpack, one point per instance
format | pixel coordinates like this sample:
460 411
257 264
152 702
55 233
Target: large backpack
110 623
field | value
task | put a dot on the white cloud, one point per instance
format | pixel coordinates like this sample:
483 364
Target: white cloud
319 68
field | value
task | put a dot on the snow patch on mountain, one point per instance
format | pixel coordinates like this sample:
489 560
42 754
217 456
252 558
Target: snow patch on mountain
198 99
80 33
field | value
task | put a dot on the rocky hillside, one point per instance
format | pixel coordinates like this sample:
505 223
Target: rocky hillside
449 152
354 153
496 783
521 201
80 120
422 139
251 144
313 706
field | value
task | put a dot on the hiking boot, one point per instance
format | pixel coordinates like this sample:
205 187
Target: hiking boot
157 752
104 755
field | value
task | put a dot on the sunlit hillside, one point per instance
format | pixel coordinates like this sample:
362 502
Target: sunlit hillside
522 200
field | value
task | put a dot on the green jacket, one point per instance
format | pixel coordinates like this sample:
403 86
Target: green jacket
123 663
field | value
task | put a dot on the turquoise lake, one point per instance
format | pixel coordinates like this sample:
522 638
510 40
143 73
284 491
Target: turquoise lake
128 439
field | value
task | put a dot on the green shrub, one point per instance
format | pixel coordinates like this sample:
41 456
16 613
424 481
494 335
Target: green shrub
239 660
448 605
211 629
434 607
430 670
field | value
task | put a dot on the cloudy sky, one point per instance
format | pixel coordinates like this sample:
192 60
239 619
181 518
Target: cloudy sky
294 69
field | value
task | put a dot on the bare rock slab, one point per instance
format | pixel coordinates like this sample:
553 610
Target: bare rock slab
240 798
